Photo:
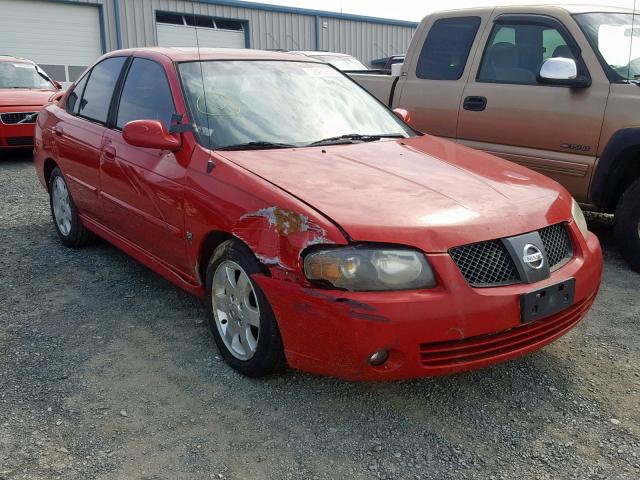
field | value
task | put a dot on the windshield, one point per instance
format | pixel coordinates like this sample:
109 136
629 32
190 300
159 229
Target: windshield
617 38
341 63
279 102
22 75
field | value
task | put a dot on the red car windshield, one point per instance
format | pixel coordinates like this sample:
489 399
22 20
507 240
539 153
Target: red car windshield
22 75
235 103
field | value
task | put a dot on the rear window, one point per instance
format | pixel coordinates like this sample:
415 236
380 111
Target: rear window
446 49
99 90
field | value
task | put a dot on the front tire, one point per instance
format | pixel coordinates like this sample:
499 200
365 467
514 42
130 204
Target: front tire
627 225
240 316
68 225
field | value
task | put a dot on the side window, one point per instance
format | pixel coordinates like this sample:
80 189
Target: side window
446 49
515 52
146 94
555 45
99 90
73 100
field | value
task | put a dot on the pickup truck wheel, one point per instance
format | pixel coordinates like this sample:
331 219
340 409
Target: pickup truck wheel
70 229
627 225
241 320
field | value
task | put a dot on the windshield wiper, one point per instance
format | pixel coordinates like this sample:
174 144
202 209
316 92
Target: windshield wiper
257 146
354 137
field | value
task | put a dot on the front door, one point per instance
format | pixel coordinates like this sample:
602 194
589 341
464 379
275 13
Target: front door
143 188
552 129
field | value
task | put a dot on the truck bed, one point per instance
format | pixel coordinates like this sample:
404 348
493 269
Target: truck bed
378 84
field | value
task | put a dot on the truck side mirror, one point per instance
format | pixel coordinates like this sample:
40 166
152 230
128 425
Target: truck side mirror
562 71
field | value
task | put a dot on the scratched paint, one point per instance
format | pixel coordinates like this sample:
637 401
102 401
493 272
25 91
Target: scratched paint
278 235
286 222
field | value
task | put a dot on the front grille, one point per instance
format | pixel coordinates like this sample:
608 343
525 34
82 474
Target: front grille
486 347
557 245
20 141
488 264
17 117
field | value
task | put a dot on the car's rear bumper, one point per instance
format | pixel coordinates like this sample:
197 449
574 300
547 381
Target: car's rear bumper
449 329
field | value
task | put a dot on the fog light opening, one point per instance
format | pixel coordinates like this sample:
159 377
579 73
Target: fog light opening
378 357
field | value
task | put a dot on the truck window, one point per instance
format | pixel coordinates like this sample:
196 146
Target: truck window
515 53
446 49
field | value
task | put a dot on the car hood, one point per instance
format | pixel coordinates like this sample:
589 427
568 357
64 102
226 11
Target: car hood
18 97
425 192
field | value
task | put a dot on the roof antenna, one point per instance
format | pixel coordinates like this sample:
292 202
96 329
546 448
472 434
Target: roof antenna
210 163
633 34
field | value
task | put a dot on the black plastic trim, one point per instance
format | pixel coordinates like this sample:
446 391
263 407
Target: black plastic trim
622 150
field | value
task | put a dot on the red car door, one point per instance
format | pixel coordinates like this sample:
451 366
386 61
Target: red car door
142 188
79 130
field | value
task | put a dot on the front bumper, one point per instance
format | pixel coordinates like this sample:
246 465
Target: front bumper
449 329
16 135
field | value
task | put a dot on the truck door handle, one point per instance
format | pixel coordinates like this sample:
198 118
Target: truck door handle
475 104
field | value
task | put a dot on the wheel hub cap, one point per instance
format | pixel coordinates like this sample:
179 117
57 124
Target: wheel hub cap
235 310
61 203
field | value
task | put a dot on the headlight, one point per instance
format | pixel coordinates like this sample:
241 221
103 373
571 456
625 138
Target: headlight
578 217
367 269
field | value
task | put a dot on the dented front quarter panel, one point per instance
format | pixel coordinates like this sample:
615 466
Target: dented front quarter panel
273 224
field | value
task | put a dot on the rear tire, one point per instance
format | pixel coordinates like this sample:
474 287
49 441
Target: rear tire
240 316
627 225
65 216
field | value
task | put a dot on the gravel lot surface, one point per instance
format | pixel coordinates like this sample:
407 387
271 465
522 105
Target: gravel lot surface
107 371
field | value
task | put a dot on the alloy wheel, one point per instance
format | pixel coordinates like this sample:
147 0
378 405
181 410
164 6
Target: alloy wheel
61 202
236 310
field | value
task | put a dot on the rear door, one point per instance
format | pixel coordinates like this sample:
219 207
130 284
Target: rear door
552 129
436 73
79 133
142 188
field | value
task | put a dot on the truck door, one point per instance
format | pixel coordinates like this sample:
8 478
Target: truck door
434 78
507 111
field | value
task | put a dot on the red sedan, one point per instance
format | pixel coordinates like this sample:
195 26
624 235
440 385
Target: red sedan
24 89
324 231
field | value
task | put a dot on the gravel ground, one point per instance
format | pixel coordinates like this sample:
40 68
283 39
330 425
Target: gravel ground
107 371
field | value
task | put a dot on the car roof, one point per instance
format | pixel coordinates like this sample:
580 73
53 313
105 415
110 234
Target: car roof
541 8
12 59
312 53
185 54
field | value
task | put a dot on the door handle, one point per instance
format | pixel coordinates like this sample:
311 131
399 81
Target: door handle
58 131
109 152
475 104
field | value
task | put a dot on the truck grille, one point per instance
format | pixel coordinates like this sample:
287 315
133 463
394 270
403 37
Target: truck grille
17 117
20 141
488 264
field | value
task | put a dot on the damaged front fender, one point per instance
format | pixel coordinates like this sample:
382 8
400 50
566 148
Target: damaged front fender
277 236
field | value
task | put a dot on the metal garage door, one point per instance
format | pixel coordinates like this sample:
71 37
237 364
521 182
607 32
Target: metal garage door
185 36
63 38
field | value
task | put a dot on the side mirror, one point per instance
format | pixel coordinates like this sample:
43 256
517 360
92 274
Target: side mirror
57 84
403 115
150 134
562 71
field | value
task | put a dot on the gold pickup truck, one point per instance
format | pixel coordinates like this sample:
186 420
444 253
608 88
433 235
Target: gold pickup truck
556 89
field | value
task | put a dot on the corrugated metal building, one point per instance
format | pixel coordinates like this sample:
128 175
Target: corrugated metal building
67 35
